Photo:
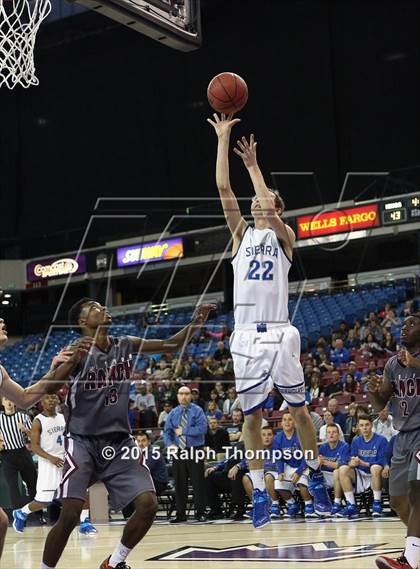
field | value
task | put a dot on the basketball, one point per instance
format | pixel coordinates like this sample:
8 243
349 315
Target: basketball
227 93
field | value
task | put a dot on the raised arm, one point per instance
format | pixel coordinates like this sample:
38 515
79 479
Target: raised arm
178 340
248 152
231 209
380 389
52 381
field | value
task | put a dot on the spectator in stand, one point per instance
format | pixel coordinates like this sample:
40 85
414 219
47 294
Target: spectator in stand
208 373
351 385
371 326
193 367
213 410
221 352
132 414
167 408
352 341
352 368
214 396
371 371
167 391
371 347
320 348
340 354
390 319
316 420
329 420
151 366
410 308
350 427
333 454
383 425
185 429
220 389
338 417
231 402
364 470
235 427
195 393
217 437
342 331
335 387
145 403
163 371
315 389
307 375
389 344
226 476
325 366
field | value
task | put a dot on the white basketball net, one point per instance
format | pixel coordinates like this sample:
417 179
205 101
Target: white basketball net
19 24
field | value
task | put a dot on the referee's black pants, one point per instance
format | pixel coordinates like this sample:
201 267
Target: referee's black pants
16 462
192 468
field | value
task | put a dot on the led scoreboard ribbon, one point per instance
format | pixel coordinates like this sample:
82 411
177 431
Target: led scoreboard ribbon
401 210
392 211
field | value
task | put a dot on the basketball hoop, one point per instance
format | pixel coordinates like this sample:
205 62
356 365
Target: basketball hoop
19 24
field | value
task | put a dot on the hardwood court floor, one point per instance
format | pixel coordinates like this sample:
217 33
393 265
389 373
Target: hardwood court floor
341 543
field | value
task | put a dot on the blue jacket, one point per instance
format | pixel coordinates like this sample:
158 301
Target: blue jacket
195 430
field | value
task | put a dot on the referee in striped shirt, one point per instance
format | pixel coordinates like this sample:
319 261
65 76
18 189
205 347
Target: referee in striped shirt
15 457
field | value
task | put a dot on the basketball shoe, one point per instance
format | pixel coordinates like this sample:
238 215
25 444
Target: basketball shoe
376 509
87 528
19 520
261 508
388 563
318 491
106 565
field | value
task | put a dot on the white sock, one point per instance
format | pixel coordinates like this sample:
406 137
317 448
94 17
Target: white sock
350 497
43 566
290 501
412 551
308 502
257 479
120 554
337 501
25 510
377 494
83 515
313 463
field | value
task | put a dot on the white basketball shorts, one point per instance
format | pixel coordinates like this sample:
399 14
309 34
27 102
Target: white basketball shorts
328 478
263 359
287 483
362 480
49 477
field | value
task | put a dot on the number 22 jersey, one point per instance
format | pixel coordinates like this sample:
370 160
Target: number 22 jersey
261 269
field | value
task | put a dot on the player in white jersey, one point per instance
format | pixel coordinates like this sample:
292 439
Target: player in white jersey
48 443
264 345
26 398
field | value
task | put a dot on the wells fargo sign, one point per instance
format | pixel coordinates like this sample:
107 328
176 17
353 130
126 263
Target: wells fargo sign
55 268
339 221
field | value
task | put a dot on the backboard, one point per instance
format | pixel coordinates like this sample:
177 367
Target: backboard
175 23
